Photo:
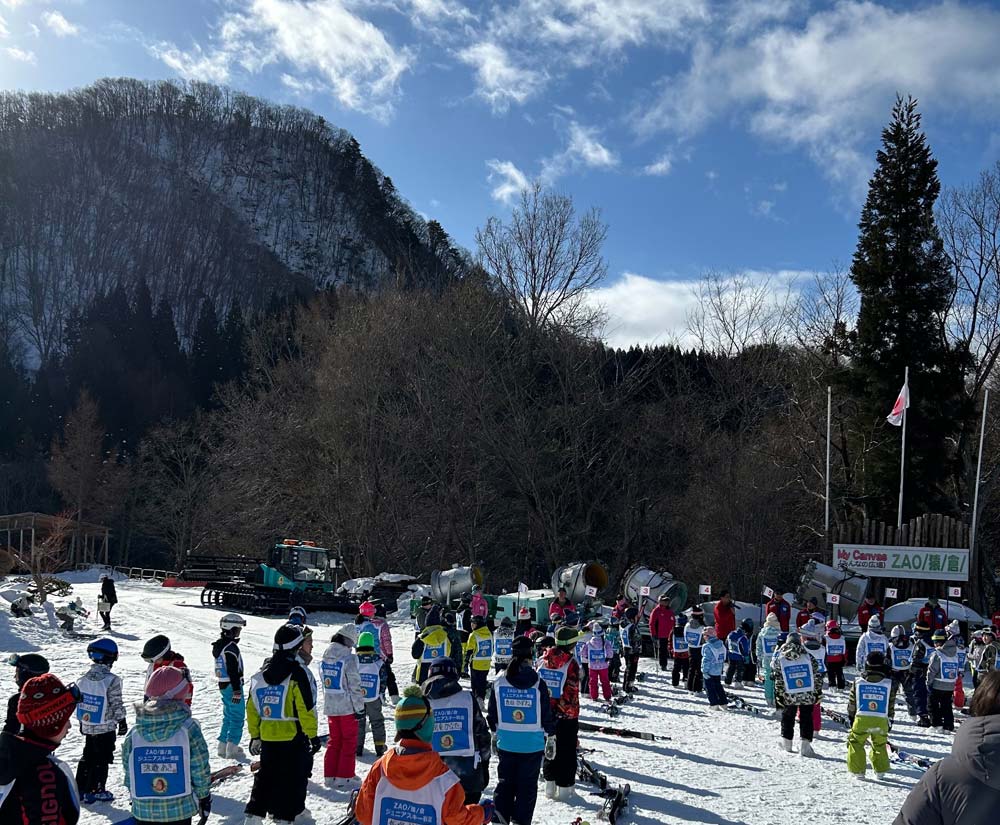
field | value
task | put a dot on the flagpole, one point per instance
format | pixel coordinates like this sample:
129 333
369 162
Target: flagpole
829 408
902 449
979 472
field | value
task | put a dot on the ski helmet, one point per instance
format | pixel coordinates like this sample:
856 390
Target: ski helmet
28 666
103 651
597 629
156 648
478 621
708 631
288 638
875 660
566 637
506 622
232 621
953 628
939 637
297 616
443 668
897 632
747 625
632 614
875 623
367 609
832 624
523 614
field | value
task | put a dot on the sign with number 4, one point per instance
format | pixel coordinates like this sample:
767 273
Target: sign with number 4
705 589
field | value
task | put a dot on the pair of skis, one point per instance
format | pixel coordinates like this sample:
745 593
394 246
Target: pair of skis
615 796
739 703
623 732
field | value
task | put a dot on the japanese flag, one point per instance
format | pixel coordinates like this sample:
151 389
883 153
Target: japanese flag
902 403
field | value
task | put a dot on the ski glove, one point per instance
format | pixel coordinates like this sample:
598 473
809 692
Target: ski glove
316 744
255 747
488 810
205 805
550 748
122 727
493 745
237 698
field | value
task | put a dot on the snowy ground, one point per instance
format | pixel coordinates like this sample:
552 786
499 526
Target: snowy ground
704 767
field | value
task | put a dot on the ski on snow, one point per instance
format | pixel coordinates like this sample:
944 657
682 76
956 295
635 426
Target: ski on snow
615 796
909 758
836 717
739 703
623 732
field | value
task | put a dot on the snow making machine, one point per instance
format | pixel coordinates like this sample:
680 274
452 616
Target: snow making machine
294 573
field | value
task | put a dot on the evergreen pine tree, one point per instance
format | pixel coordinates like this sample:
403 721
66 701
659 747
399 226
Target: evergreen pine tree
902 275
207 354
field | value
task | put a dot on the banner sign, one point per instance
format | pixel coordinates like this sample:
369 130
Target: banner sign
768 592
883 560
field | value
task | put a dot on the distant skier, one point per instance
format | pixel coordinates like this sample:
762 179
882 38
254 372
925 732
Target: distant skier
631 648
713 662
812 635
26 666
561 674
782 609
370 672
20 608
597 655
942 673
695 638
920 658
478 604
524 624
613 633
165 755
70 612
767 644
158 653
836 655
478 656
737 654
420 614
661 628
871 640
899 661
679 650
101 713
382 636
343 705
868 608
868 710
503 640
229 675
430 645
797 689
107 600
455 641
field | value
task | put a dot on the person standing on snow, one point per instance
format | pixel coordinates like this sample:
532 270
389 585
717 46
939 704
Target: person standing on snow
561 674
101 712
871 640
868 709
503 641
920 658
811 634
370 671
524 624
382 635
165 755
455 640
767 645
520 715
679 650
26 666
987 653
479 605
461 735
737 653
782 609
35 786
478 655
432 644
933 615
661 628
613 633
695 639
836 655
344 706
631 648
942 673
412 779
597 655
725 616
713 661
899 660
797 690
158 653
107 600
281 720
868 608
229 675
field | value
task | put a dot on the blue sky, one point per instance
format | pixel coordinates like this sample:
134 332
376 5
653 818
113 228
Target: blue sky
713 135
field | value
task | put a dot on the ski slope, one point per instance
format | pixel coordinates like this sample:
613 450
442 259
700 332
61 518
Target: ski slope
720 768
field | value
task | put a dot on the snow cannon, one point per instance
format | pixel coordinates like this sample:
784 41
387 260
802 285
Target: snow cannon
447 585
819 579
576 578
659 583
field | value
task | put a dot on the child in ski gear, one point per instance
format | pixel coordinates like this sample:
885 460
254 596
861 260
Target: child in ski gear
868 709
613 633
370 670
412 778
455 640
478 604
871 640
158 653
524 625
26 666
20 608
344 706
836 655
35 786
797 689
693 635
954 632
917 684
679 650
420 614
502 641
713 658
985 654
597 654
461 735
69 613
561 673
737 655
463 621
432 643
165 755
107 600
297 617
521 717
229 675
101 713
811 634
868 608
379 628
621 605
281 720
478 655
750 662
782 609
767 645
942 673
661 628
899 660
631 648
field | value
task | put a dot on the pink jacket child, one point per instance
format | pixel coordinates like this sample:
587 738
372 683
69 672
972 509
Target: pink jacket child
479 605
598 652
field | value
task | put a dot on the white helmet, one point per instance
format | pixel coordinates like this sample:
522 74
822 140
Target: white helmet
231 621
897 631
874 623
953 628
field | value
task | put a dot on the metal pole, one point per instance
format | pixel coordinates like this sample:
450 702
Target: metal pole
975 497
829 410
902 449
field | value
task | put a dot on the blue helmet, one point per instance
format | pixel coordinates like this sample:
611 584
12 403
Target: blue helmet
297 616
103 651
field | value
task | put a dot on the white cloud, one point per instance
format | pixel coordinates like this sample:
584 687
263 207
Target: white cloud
499 81
324 42
508 181
583 150
59 25
823 85
20 55
34 30
13 4
4 31
659 167
763 208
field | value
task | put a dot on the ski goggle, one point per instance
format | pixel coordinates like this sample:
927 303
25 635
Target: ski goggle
74 691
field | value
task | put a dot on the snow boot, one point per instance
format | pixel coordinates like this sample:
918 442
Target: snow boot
786 744
305 815
925 722
349 784
394 700
565 794
103 796
379 749
806 748
223 749
859 776
550 789
330 781
880 775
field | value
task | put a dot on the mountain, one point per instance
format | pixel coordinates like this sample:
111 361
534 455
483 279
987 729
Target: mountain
199 191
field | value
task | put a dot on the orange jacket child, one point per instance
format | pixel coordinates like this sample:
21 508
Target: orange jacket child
413 778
